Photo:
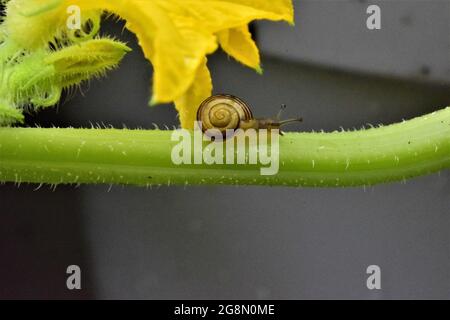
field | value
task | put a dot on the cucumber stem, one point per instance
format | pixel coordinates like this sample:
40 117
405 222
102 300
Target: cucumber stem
143 157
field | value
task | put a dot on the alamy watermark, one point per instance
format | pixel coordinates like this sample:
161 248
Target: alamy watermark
73 281
73 21
373 22
373 282
238 147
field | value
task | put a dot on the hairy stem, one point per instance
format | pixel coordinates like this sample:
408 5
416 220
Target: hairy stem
143 157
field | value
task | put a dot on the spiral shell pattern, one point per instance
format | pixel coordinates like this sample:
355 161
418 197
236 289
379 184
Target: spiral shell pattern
223 112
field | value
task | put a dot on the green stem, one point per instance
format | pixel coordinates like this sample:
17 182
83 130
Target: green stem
143 157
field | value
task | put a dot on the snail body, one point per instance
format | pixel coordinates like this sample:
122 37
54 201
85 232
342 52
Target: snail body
226 112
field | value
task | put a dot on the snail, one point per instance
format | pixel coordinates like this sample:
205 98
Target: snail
224 112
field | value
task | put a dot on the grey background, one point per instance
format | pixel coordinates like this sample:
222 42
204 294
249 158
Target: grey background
254 242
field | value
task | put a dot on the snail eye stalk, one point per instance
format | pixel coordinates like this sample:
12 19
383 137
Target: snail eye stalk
280 122
282 108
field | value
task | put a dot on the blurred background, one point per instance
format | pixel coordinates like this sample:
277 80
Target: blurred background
254 242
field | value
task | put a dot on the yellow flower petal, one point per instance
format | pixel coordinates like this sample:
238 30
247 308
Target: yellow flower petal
176 34
238 43
188 103
175 53
217 15
283 9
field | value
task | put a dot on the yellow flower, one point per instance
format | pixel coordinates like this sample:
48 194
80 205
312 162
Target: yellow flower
175 35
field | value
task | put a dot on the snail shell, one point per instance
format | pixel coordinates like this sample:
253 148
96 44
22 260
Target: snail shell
222 112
